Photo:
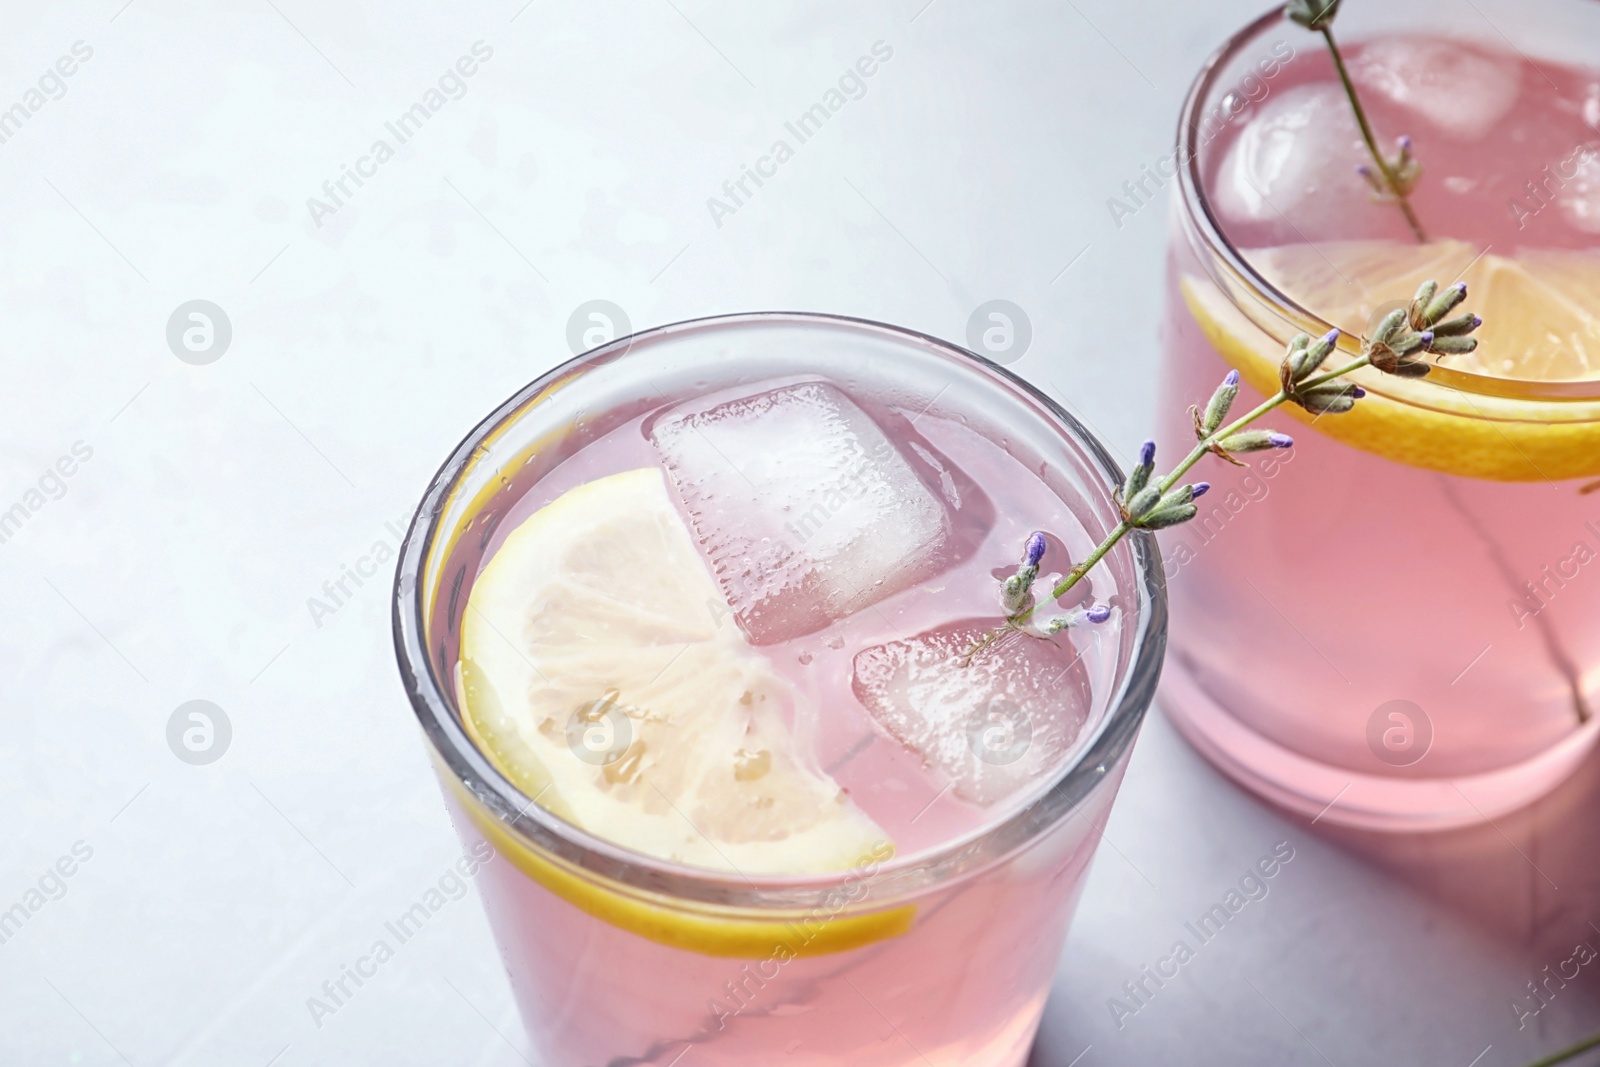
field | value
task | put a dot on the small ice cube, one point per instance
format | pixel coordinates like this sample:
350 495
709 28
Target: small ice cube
1460 90
1296 160
990 725
804 508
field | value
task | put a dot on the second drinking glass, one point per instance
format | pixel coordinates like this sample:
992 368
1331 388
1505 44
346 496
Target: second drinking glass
1396 623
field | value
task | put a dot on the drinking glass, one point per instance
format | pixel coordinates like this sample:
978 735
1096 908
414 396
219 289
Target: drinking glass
1394 624
943 955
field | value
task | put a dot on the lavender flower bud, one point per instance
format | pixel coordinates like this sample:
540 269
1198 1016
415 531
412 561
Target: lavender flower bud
1180 496
1140 475
1327 343
1390 325
1453 346
1442 304
1304 363
1411 367
1419 304
1406 170
1221 401
1331 398
1404 343
1299 366
1035 550
1255 441
1377 181
1014 594
1142 501
1093 614
1459 326
1161 518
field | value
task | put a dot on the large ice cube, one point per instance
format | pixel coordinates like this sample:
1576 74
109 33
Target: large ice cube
1458 89
1296 160
991 724
805 510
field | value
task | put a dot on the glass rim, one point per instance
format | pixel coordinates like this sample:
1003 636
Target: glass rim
1203 223
897 877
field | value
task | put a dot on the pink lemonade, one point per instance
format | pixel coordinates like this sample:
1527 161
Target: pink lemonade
853 496
1395 624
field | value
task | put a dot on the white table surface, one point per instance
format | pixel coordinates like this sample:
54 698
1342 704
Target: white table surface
177 561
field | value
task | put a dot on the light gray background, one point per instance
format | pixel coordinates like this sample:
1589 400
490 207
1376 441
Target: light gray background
179 561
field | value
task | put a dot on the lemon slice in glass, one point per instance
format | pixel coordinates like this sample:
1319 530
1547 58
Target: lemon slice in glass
1540 310
1541 313
602 672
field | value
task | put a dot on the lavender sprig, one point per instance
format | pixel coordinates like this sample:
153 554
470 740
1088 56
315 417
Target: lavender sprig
1394 178
1016 595
1145 502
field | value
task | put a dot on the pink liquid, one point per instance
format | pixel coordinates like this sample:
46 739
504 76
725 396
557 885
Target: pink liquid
963 988
1471 176
1324 584
965 985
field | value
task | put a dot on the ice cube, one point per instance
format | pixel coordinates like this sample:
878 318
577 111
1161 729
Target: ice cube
804 508
1296 160
1461 91
989 724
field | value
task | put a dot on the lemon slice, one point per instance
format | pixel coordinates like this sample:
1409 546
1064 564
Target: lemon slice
602 672
1541 313
1540 310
